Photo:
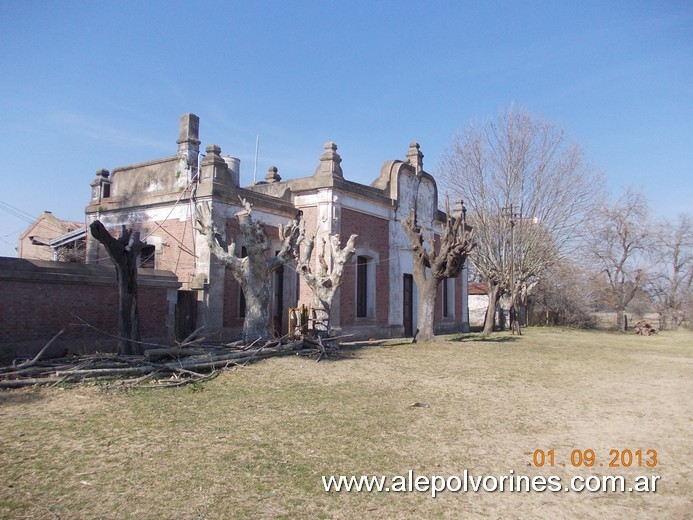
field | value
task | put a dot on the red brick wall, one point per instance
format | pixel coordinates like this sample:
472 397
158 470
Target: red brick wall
34 310
373 234
175 255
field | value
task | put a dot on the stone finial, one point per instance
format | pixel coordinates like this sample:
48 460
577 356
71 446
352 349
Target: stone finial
415 157
101 185
330 162
214 166
272 175
213 149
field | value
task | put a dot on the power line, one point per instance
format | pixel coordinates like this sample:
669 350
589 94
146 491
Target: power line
29 218
16 212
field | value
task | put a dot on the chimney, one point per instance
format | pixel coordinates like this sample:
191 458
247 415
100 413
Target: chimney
188 137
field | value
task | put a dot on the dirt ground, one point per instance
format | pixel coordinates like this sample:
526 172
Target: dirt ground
255 442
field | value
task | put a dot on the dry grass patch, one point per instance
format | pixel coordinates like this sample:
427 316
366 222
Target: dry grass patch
255 442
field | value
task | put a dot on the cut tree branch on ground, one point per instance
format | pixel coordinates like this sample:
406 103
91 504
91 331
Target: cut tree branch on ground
159 367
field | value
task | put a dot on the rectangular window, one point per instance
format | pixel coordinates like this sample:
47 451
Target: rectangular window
362 286
448 297
148 257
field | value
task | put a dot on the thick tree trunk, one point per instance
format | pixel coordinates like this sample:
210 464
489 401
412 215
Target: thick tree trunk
321 314
514 321
621 320
124 253
493 298
257 313
426 310
128 321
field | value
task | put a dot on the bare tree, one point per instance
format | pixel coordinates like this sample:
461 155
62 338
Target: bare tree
75 252
671 280
124 253
326 280
565 296
528 191
254 271
619 238
434 264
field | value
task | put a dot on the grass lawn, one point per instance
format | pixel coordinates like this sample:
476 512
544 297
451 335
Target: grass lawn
254 442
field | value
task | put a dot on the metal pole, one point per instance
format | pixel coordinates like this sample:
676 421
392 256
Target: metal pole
257 146
512 271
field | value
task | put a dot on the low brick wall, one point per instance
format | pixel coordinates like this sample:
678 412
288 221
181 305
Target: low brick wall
38 298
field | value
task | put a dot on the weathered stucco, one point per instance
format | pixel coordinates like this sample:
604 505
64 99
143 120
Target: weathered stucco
159 197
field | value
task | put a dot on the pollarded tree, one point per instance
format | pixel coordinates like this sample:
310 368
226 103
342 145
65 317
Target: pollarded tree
124 252
434 264
529 192
325 281
253 272
619 238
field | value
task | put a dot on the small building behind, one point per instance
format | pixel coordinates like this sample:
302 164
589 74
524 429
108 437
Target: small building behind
50 238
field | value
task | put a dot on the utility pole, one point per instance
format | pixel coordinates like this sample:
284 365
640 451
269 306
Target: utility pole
512 216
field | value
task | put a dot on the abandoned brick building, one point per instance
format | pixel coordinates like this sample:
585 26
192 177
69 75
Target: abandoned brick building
377 298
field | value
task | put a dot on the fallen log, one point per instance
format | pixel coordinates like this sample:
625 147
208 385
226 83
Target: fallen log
18 383
154 354
186 367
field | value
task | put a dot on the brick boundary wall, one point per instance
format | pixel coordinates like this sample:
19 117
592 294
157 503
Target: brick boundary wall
41 297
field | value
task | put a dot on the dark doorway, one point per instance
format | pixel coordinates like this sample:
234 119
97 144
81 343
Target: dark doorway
408 302
186 314
278 303
362 286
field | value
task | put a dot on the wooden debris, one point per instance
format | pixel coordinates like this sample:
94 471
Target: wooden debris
192 361
643 328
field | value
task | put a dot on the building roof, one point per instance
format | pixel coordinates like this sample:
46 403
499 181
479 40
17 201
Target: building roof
53 227
72 236
477 289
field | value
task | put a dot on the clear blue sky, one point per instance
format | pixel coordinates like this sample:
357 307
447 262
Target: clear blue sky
85 85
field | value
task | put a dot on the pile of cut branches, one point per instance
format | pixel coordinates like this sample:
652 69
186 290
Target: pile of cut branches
644 328
191 361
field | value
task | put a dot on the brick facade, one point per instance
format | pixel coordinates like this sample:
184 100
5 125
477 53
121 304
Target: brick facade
158 198
49 296
373 243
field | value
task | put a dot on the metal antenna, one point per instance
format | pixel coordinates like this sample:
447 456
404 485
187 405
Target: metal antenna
257 146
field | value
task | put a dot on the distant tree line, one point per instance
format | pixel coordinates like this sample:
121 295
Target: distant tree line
549 242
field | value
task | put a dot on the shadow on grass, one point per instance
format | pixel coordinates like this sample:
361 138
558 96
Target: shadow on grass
14 396
351 349
482 338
